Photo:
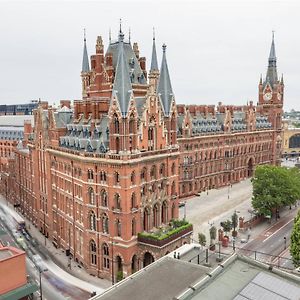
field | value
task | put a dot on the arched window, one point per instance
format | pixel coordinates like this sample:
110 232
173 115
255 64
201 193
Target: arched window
131 124
91 196
153 172
117 201
132 178
155 215
164 213
104 201
93 252
105 228
133 200
173 211
117 178
144 174
90 174
118 227
116 124
162 170
92 220
173 169
133 227
146 223
173 188
105 255
102 176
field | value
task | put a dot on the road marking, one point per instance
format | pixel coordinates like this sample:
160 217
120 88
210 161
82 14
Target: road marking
292 220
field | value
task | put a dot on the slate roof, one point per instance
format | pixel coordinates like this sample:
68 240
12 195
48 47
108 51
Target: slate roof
81 137
272 76
11 133
122 88
164 88
154 64
85 59
134 70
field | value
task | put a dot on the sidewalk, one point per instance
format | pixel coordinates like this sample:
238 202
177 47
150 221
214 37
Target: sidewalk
58 261
255 231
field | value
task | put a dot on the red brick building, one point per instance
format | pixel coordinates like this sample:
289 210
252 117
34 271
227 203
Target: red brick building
103 178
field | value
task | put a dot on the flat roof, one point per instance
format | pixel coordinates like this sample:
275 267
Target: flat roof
5 253
242 280
161 280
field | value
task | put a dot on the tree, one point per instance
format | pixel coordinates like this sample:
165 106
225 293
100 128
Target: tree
234 222
213 234
274 187
202 239
227 225
295 241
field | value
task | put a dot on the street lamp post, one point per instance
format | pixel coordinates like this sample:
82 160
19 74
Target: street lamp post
184 210
284 238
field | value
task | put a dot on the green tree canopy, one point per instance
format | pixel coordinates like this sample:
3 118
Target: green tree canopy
273 187
295 241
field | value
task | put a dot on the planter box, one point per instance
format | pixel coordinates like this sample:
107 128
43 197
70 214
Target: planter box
161 243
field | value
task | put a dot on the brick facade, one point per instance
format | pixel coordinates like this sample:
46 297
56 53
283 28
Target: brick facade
93 176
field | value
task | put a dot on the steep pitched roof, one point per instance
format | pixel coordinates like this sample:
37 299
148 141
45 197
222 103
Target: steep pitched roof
85 59
164 89
154 64
272 76
122 87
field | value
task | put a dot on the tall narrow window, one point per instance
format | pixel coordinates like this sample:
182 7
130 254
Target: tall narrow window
93 252
105 255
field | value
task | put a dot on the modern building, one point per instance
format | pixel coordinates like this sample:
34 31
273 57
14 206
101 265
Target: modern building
14 283
183 277
102 178
18 109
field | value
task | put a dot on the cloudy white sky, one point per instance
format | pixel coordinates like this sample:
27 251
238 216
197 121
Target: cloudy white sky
216 50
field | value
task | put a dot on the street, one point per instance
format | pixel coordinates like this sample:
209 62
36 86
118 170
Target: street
53 284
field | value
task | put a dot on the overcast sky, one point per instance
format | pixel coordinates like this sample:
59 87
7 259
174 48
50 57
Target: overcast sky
216 50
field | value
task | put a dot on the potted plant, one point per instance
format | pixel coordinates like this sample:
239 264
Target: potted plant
234 222
119 276
212 234
226 227
202 239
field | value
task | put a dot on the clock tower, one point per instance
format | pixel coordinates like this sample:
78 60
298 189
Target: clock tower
271 91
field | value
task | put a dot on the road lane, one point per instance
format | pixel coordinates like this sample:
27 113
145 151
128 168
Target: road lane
54 287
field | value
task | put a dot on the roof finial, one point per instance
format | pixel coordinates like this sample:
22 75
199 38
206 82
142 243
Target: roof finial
120 25
273 31
84 34
164 47
129 35
153 33
109 35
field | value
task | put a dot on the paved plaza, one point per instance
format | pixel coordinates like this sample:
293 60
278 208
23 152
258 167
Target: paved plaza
217 206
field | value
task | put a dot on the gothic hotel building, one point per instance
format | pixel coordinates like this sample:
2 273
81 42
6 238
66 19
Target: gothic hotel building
93 175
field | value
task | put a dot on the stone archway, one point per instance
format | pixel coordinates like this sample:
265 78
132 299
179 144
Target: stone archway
148 259
134 264
250 167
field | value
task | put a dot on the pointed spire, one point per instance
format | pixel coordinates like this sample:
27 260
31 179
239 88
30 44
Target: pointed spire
109 36
129 35
122 87
85 59
154 65
281 80
164 85
272 55
121 34
260 79
272 76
